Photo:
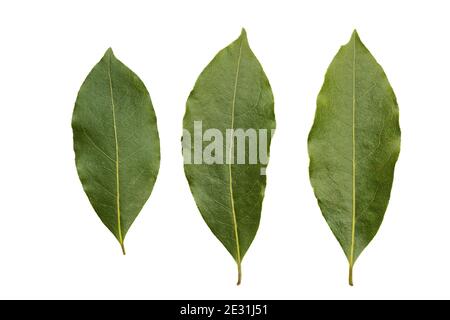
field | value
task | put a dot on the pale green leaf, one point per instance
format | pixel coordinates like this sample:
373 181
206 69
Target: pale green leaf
353 147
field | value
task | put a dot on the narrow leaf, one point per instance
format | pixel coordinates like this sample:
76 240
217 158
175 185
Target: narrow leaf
232 98
116 143
353 147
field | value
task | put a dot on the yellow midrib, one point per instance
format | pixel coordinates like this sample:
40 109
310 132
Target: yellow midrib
230 153
119 220
352 248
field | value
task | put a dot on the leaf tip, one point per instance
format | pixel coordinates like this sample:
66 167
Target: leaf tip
355 34
243 33
109 52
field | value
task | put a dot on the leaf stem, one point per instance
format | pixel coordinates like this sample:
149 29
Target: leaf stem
123 248
239 273
350 275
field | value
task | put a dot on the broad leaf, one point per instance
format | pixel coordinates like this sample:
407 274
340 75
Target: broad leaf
116 143
231 96
353 147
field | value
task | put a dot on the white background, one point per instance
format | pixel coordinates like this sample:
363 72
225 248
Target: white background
52 244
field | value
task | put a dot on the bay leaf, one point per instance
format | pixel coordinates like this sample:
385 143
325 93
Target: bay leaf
116 143
231 95
353 146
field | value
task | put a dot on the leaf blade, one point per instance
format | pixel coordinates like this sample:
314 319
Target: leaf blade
117 172
353 146
227 92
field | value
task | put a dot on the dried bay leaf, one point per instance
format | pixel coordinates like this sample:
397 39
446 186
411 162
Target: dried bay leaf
353 146
116 143
232 93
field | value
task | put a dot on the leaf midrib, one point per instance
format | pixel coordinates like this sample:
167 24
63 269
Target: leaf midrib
233 212
352 247
116 145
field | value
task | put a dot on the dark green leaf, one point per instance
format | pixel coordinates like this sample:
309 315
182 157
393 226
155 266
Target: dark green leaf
116 143
353 147
232 92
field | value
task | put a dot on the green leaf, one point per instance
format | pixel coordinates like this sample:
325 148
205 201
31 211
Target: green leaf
353 147
116 143
234 94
